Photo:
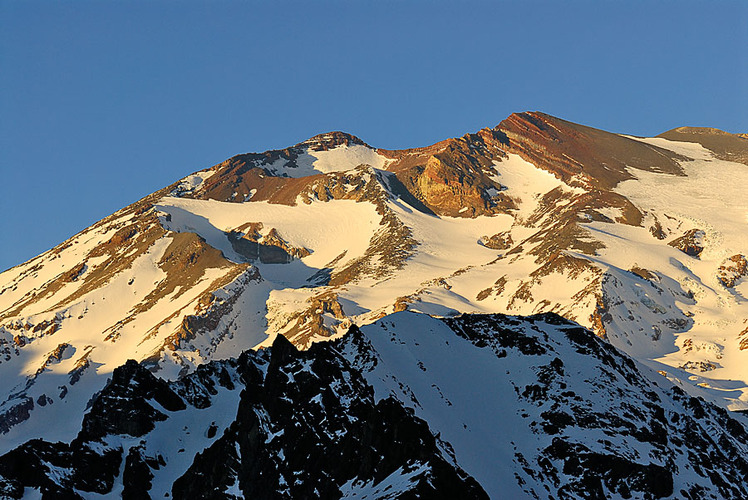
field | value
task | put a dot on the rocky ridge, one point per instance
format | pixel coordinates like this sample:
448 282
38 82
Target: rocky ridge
388 412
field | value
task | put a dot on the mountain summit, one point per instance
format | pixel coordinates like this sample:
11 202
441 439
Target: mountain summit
641 241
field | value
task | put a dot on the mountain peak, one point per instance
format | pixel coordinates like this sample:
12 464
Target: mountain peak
724 145
696 131
331 140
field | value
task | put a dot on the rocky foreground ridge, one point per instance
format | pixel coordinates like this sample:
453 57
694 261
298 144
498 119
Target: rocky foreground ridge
407 407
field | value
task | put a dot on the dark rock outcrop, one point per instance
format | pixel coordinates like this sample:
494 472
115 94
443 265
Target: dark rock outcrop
125 407
691 243
311 427
307 424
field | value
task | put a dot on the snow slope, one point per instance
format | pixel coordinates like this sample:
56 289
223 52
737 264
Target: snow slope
503 392
338 159
710 197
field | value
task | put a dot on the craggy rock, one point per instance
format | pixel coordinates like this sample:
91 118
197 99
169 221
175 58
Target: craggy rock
307 424
691 243
732 270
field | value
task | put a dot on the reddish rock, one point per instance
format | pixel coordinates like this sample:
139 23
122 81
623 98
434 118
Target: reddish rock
732 270
691 243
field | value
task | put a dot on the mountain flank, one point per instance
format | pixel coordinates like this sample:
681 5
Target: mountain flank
539 309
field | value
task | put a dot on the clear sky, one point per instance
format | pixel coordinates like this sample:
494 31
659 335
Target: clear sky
102 103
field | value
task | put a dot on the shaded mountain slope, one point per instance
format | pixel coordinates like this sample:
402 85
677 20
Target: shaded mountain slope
407 407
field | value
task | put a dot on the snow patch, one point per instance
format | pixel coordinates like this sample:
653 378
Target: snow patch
338 159
192 183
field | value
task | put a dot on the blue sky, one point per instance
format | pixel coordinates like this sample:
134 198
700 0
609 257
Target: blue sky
102 103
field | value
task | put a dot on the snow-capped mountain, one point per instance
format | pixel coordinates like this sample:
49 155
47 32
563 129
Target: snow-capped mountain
642 240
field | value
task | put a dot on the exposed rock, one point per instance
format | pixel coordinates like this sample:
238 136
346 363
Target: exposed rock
452 177
246 176
455 178
124 409
401 304
388 251
327 444
601 317
343 438
269 249
304 326
691 243
81 365
75 272
500 241
55 356
273 239
47 327
732 270
597 473
128 243
726 146
574 152
59 469
15 411
639 425
743 336
137 475
645 274
307 424
185 262
209 315
331 140
657 230
496 289
701 366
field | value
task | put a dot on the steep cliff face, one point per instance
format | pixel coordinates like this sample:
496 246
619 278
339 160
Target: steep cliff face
455 177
